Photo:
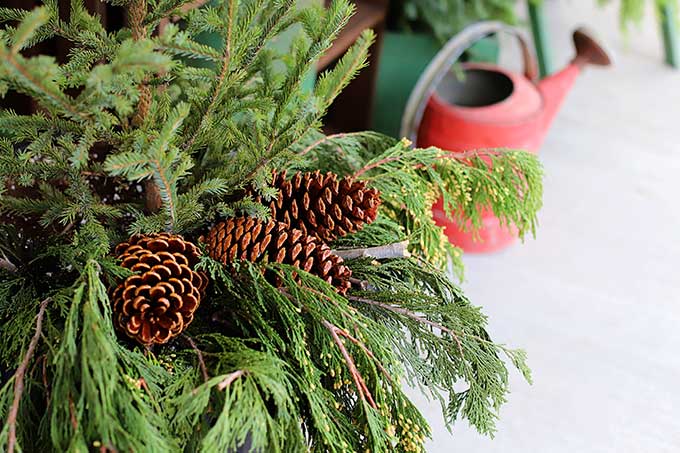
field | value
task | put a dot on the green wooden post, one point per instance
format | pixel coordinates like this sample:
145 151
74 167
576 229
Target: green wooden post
540 32
670 32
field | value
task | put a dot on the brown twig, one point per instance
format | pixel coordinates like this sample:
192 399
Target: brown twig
231 377
44 379
201 362
335 331
137 13
394 250
361 386
408 313
72 413
19 379
367 351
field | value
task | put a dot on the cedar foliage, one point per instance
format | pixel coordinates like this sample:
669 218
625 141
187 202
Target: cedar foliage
291 367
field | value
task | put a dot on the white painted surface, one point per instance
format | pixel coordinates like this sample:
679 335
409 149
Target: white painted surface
595 298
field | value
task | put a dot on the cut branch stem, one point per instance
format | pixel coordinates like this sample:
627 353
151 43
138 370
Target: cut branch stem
394 250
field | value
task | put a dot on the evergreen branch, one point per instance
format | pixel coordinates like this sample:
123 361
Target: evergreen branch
189 51
33 83
362 389
333 81
408 313
34 20
219 82
19 378
464 157
164 187
367 351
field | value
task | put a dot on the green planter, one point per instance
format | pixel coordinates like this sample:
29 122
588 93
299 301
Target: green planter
404 57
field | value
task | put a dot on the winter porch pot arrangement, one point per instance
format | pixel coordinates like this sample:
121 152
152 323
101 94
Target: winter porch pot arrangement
188 264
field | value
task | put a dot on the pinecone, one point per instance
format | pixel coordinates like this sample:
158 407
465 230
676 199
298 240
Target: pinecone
246 238
158 302
323 205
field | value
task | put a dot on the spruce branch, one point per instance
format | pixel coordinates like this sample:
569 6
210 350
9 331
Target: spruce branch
333 81
206 115
19 378
29 83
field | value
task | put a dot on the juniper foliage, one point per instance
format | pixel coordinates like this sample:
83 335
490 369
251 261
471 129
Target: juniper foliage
146 129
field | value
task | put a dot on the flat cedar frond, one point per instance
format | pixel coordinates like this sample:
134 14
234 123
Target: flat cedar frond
507 182
156 130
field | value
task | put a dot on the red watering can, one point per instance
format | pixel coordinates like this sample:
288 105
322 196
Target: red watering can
489 107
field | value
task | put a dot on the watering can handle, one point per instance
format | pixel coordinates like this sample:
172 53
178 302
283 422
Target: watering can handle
440 64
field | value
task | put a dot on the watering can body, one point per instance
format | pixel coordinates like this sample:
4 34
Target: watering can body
490 107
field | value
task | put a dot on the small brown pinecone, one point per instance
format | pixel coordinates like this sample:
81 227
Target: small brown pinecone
324 205
159 301
246 238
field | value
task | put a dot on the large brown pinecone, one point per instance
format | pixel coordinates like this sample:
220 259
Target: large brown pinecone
159 301
246 238
323 205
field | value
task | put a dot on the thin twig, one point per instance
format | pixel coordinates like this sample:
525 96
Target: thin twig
362 389
226 382
367 351
72 413
44 379
394 250
201 362
19 379
414 316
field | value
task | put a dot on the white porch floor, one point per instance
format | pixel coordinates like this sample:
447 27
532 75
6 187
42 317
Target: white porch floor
595 298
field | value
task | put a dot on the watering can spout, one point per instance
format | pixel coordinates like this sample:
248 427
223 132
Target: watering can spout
588 51
555 87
